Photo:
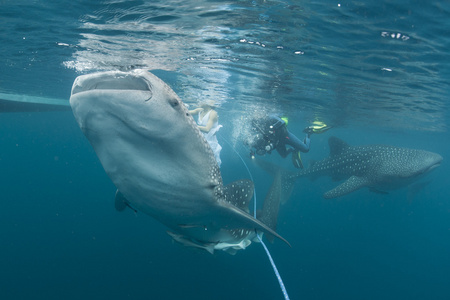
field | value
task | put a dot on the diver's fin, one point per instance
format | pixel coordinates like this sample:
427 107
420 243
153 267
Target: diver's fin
320 127
297 160
316 127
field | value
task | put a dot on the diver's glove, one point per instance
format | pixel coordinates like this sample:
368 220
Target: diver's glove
308 130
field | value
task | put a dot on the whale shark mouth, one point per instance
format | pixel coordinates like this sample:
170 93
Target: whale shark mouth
437 160
108 81
432 167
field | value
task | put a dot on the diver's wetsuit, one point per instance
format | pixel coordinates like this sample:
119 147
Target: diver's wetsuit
276 135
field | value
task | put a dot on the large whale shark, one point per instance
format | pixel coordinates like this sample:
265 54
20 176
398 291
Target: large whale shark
378 167
153 151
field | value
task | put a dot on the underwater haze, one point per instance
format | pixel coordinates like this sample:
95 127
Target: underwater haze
377 72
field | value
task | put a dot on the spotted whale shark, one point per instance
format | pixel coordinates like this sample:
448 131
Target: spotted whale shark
151 148
378 167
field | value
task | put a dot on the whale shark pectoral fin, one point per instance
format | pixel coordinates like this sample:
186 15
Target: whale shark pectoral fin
241 219
120 202
348 186
185 241
378 191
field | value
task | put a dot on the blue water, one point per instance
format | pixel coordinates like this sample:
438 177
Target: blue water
378 71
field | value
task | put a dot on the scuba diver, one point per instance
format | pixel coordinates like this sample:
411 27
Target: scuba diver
270 132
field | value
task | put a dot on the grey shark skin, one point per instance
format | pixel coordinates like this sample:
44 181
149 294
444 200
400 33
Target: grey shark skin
378 167
154 153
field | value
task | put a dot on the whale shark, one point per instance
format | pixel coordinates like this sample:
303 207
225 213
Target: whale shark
159 161
379 167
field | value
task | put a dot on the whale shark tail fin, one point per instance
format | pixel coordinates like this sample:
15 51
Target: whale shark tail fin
287 178
279 193
271 206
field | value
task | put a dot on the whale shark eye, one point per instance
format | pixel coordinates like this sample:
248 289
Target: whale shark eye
173 102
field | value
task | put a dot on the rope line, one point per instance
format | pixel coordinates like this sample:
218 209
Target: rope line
277 274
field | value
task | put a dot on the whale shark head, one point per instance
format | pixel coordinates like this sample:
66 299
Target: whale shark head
418 162
154 153
130 118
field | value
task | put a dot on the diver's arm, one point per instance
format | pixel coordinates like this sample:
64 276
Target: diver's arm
212 119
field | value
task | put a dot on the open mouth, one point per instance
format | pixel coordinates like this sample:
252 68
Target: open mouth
110 81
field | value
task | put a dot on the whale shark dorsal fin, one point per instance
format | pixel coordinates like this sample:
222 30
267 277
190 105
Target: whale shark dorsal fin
239 193
348 186
337 146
